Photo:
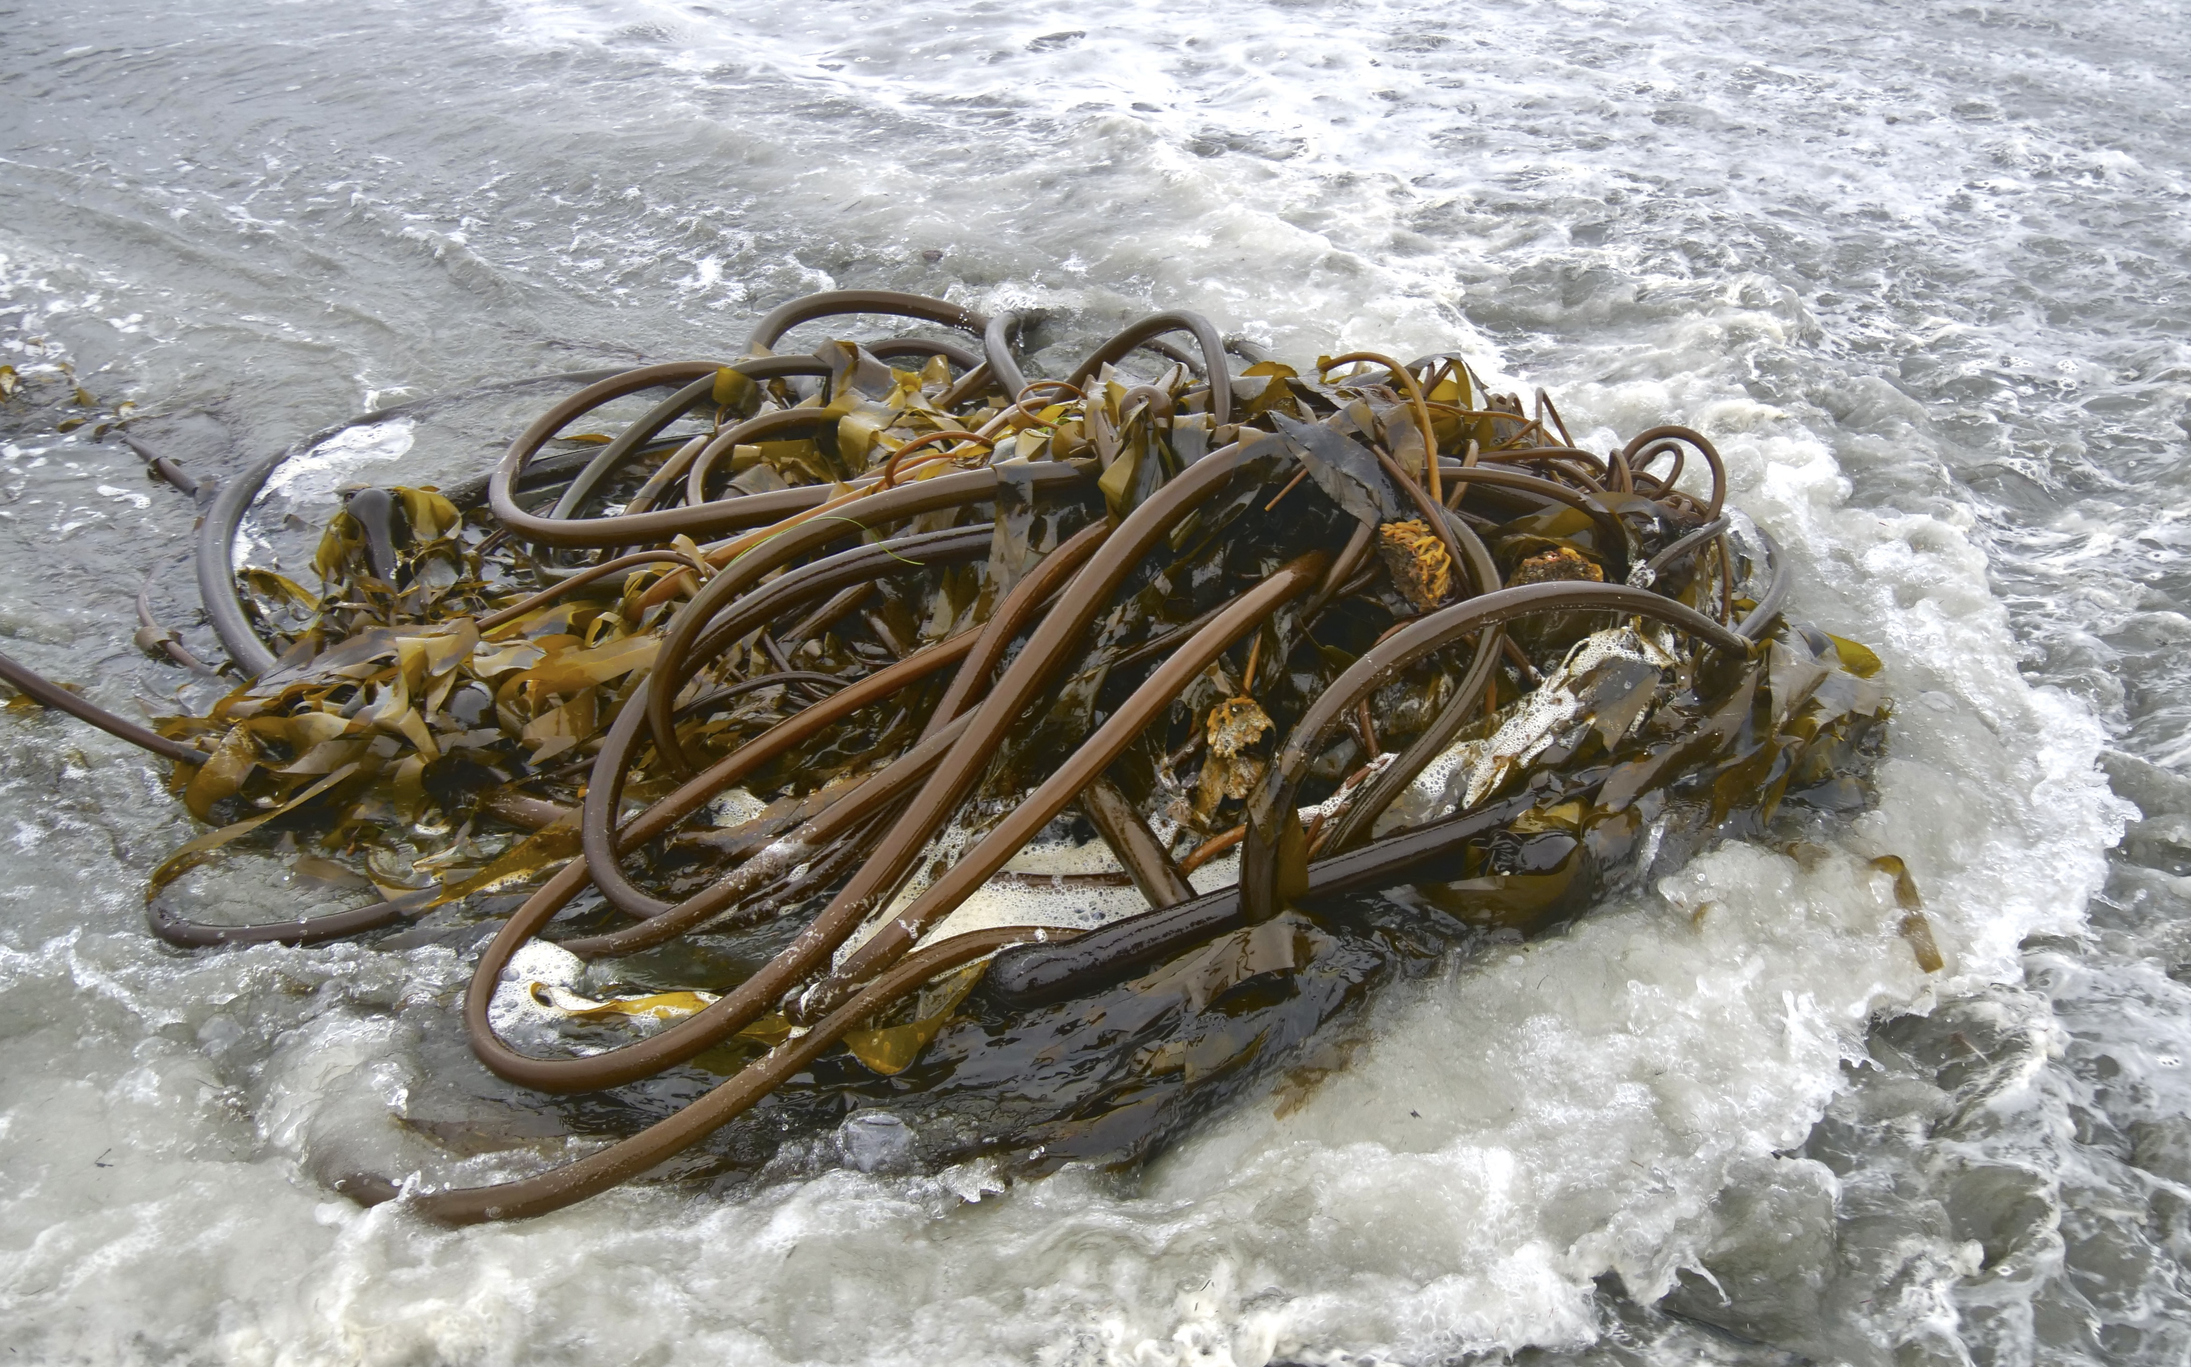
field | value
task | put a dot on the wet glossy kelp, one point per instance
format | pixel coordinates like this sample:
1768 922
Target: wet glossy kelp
871 754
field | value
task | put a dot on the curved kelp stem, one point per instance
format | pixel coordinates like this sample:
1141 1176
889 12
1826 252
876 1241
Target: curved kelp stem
1274 832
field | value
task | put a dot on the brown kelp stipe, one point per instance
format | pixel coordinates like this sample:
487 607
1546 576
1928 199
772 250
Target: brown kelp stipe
877 742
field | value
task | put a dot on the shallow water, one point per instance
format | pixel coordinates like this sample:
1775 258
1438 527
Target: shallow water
1922 275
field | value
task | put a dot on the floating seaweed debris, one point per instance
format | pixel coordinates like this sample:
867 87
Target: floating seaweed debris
873 750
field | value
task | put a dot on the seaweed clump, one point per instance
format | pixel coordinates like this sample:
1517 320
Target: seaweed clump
907 759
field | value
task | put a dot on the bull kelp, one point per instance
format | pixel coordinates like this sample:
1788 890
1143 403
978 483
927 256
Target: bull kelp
873 749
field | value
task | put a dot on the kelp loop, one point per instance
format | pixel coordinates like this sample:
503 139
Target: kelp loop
775 703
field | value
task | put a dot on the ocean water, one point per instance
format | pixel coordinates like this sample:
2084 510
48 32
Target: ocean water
1921 272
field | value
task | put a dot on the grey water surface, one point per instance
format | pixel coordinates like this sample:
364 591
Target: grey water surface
1924 272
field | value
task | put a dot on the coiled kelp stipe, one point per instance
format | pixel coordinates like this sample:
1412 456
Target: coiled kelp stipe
890 743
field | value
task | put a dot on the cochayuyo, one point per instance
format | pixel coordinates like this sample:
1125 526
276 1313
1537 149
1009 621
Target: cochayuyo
869 753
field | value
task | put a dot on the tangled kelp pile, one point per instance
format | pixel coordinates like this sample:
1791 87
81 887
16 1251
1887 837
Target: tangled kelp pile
931 761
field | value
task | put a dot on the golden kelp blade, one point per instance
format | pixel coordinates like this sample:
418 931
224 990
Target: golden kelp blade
891 1049
191 853
1915 927
661 1006
1856 657
535 854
